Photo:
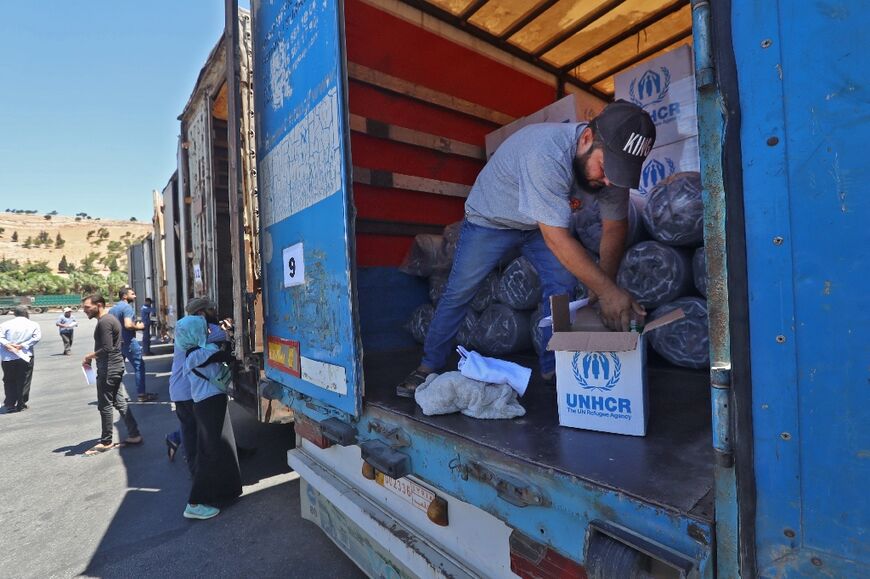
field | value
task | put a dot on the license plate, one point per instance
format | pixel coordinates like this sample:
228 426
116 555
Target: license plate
415 494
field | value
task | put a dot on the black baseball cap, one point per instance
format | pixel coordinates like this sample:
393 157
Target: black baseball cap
629 134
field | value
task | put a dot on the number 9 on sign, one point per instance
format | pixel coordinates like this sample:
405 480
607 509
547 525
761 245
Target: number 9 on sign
294 265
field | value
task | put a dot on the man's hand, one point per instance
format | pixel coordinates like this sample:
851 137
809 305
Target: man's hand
87 360
13 347
618 308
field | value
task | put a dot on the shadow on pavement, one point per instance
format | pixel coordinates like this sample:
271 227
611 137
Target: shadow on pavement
76 449
262 534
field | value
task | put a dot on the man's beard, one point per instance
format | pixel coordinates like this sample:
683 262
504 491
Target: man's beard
580 163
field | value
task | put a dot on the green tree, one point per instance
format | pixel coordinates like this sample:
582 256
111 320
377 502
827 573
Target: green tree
27 243
59 241
112 263
133 219
63 266
8 265
47 217
114 246
90 234
32 267
2 229
87 264
15 236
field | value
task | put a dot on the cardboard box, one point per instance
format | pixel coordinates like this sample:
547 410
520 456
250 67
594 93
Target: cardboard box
600 375
573 108
665 88
667 160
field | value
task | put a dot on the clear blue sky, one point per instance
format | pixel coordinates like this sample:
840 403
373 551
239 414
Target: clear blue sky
90 93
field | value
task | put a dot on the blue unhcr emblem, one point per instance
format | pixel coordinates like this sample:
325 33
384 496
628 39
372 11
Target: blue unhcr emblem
655 171
650 88
597 370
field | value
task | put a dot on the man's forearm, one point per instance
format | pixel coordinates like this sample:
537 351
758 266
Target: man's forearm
613 236
575 258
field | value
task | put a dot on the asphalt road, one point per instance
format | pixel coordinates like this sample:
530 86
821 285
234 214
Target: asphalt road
63 514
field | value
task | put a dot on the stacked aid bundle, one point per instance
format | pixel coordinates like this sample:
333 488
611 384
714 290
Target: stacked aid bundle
663 267
498 321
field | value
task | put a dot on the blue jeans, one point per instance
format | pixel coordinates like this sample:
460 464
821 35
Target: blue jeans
132 352
478 252
146 339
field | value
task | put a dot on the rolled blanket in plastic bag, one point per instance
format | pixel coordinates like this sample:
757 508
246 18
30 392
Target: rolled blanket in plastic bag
426 256
537 333
486 293
437 285
699 270
465 335
519 285
655 273
501 330
685 342
674 212
586 223
418 325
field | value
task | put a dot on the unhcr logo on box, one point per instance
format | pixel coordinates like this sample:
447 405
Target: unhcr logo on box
597 371
652 88
655 170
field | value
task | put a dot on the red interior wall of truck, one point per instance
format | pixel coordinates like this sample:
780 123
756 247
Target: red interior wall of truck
400 49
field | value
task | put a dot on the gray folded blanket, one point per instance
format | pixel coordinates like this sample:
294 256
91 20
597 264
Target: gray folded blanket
452 392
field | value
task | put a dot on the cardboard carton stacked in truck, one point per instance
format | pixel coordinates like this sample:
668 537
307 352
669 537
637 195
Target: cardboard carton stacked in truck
371 122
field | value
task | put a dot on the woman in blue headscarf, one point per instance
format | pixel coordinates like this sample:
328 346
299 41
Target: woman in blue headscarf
216 477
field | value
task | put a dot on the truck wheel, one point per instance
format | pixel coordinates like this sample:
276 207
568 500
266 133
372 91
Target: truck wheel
74 308
38 310
607 558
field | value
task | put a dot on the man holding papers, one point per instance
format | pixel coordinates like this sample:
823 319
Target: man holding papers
111 394
18 336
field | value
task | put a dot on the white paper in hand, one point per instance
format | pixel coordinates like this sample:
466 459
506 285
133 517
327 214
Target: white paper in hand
90 375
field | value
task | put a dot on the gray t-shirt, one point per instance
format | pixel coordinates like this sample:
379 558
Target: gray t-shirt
530 180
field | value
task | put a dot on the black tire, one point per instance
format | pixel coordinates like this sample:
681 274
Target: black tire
607 558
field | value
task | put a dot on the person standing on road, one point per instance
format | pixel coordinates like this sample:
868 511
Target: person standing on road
179 385
130 347
18 336
522 199
66 322
216 477
110 370
146 312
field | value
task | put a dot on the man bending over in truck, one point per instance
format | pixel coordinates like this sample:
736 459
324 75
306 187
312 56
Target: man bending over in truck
522 199
130 347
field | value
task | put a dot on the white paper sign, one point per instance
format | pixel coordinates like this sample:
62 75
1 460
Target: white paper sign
294 265
90 375
328 376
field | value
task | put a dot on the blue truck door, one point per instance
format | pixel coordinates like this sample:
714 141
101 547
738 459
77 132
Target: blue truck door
305 212
802 74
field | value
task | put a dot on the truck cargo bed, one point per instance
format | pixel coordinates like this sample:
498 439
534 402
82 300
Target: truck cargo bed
671 467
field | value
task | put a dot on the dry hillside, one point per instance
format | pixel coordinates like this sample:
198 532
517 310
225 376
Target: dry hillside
76 245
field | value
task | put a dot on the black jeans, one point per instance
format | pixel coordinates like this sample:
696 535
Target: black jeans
67 338
184 412
17 375
112 394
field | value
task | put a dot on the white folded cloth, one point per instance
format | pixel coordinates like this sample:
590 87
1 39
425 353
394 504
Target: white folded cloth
493 371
